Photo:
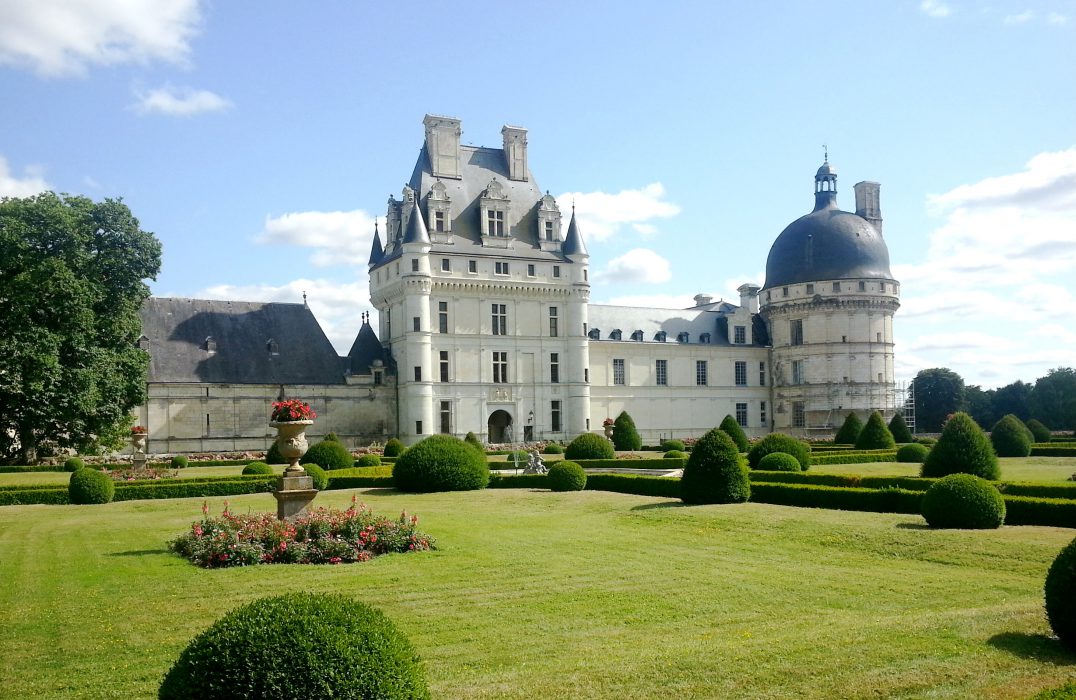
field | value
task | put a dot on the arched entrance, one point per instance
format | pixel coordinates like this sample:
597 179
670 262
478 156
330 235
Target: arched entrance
500 427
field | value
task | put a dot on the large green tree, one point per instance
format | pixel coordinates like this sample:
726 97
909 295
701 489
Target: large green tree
939 392
72 277
1053 399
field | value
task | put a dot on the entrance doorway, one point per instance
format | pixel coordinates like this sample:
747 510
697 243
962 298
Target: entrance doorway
500 427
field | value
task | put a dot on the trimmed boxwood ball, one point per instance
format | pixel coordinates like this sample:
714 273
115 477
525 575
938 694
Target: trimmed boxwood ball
299 645
318 475
472 440
962 448
912 453
625 436
553 448
850 430
1039 431
779 462
590 446
520 457
875 435
779 442
1060 601
672 444
1011 438
566 476
368 461
441 463
257 468
394 448
328 454
180 462
715 472
734 431
899 428
89 486
273 456
963 501
73 464
674 454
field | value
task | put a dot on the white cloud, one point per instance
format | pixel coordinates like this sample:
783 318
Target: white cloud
180 102
1021 18
600 214
65 37
637 266
935 8
32 182
338 307
1056 19
337 237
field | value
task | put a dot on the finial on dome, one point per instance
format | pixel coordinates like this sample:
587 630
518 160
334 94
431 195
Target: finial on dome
825 153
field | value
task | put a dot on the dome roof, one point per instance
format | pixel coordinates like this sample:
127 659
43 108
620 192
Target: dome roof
827 244
825 170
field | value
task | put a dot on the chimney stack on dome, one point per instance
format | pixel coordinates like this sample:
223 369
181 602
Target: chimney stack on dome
868 205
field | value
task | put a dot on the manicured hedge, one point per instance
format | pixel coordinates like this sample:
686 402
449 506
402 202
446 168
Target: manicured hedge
1054 512
659 486
192 488
518 481
1052 450
337 482
856 457
671 463
908 483
1038 489
384 470
34 496
837 498
38 468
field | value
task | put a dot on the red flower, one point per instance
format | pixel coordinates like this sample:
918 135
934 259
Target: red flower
291 410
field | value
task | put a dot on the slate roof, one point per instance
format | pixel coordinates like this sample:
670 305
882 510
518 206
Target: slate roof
366 350
244 335
710 318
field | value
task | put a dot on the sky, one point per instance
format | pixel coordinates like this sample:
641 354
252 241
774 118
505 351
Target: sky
260 140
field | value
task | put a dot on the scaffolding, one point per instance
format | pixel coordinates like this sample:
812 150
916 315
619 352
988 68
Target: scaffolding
907 394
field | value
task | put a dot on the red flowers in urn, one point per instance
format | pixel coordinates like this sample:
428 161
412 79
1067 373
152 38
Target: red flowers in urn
138 430
292 410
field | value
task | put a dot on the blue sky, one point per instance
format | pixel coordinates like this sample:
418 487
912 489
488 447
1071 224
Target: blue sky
259 140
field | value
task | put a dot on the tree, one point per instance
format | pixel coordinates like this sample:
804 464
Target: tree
734 431
1053 399
939 392
962 447
899 428
715 472
72 277
979 404
1011 438
1014 399
625 436
850 430
875 435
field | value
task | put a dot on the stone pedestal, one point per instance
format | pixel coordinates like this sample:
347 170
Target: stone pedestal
293 495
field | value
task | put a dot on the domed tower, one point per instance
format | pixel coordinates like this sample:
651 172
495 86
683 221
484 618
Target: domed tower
828 303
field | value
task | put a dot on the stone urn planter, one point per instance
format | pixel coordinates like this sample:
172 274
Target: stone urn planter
608 432
138 445
295 489
291 441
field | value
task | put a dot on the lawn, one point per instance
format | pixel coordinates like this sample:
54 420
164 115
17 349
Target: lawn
1012 468
582 595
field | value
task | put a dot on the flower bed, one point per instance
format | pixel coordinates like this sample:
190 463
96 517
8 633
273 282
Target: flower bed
322 536
146 474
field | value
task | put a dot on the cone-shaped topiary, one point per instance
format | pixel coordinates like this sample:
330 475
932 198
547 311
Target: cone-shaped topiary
963 501
779 442
589 446
1040 432
962 447
259 468
368 461
1011 438
912 453
1060 603
899 428
734 431
441 463
89 486
394 448
472 440
715 472
875 435
566 476
625 436
317 475
328 454
673 444
850 430
299 645
779 462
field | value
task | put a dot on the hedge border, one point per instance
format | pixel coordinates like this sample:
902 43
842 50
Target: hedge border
860 457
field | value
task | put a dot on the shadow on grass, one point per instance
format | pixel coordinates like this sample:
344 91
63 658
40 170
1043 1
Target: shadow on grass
913 526
1034 646
138 552
663 504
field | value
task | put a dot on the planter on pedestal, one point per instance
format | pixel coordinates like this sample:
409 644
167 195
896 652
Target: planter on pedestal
138 444
295 490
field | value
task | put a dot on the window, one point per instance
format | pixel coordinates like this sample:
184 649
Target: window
554 368
879 336
586 375
585 277
883 287
494 223
439 221
795 331
700 373
530 270
388 322
661 372
880 380
741 373
556 270
637 335
554 416
379 377
444 365
553 322
836 287
705 338
741 414
799 416
442 317
500 319
616 334
414 265
762 374
862 286
418 374
472 266
797 372
446 266
762 413
594 334
416 324
660 336
784 291
810 289
418 427
549 230
739 335
500 268
500 367
618 372
683 337
446 417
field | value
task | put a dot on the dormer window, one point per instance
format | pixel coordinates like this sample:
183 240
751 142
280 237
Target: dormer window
210 344
547 234
438 209
272 347
705 339
682 337
660 336
494 205
637 336
494 223
549 223
142 343
615 335
594 334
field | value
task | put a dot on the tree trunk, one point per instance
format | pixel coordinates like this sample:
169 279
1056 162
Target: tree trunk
27 446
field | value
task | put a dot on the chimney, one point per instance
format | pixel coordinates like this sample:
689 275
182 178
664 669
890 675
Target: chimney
515 151
443 145
868 205
703 299
749 296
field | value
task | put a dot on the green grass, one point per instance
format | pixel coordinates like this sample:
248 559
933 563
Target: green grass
575 595
1012 468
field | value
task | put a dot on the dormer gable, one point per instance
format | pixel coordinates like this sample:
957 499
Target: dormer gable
493 207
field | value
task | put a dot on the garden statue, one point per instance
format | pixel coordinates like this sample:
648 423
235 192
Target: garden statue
535 465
